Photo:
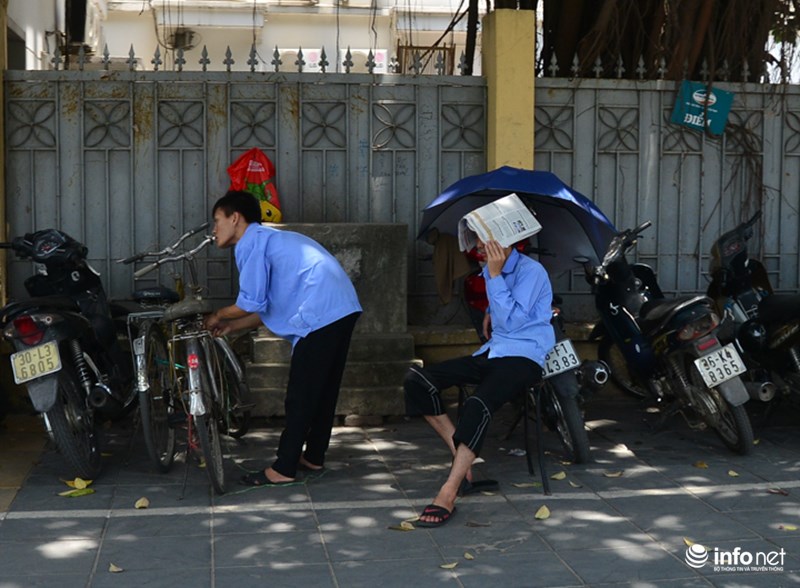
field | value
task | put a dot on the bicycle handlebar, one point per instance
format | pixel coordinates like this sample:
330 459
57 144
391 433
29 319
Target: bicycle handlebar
166 250
175 258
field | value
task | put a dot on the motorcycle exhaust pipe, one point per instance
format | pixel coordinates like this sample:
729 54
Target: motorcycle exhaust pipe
594 375
763 391
102 399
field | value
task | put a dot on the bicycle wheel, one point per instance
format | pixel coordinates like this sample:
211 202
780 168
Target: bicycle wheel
207 424
156 404
73 428
235 393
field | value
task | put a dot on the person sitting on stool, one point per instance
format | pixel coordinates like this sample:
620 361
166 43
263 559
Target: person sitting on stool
519 336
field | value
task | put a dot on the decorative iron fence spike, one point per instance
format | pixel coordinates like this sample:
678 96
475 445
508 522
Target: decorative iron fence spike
300 62
440 63
276 59
252 61
179 60
620 67
228 61
348 60
745 71
662 68
56 60
156 61
370 62
394 64
598 67
553 67
462 63
641 70
131 61
204 60
323 60
724 71
576 67
704 71
416 64
106 58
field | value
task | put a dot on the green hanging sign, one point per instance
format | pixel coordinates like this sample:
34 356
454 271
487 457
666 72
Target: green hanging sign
698 108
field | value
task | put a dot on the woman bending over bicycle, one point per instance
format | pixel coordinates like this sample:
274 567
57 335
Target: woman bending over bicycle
300 292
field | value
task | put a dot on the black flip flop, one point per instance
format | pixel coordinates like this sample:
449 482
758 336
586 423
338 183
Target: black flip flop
434 510
475 486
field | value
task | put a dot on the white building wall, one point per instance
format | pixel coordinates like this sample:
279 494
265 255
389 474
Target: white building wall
36 22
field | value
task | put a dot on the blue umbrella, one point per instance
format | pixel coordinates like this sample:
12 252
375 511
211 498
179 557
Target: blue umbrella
572 225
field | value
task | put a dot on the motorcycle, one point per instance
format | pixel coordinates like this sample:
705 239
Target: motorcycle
667 348
764 326
67 350
568 381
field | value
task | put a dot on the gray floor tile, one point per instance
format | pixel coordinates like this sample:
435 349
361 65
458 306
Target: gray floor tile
156 552
276 575
267 549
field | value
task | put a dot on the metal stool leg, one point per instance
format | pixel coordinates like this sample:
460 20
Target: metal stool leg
537 390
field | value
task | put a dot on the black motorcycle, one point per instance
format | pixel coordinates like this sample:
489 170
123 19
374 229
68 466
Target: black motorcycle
68 354
764 325
667 348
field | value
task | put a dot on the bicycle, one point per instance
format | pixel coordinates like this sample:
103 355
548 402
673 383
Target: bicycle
206 385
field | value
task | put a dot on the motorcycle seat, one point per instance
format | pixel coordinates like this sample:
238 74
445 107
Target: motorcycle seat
156 295
655 314
779 308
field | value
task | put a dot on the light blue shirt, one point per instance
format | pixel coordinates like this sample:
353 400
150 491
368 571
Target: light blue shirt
291 281
520 300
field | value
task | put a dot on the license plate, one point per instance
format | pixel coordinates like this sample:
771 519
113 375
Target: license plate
561 358
720 365
35 362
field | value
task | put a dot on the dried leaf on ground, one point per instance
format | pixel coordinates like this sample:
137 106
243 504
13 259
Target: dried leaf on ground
575 484
688 542
526 484
142 503
780 491
700 464
733 473
449 566
114 569
542 513
78 483
787 527
77 492
558 476
403 526
477 524
614 474
468 555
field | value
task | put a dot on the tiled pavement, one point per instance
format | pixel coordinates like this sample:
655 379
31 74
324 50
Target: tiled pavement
604 529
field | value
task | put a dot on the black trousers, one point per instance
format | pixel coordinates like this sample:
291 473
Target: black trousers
315 375
498 380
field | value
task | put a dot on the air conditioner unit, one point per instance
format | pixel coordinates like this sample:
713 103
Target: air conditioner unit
359 58
289 58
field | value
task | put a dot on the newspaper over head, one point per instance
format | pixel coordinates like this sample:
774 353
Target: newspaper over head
506 220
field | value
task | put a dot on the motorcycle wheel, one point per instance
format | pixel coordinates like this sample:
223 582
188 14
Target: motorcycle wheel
569 425
732 425
620 374
156 405
72 426
235 393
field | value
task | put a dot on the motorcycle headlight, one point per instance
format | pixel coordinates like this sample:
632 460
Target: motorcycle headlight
698 328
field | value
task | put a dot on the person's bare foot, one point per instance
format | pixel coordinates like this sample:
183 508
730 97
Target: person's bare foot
308 465
276 477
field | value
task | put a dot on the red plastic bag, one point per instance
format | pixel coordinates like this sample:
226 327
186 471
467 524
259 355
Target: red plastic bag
254 173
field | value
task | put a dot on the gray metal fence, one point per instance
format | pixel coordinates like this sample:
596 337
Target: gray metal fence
127 160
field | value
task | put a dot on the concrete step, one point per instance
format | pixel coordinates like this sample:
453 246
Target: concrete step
356 374
377 401
366 347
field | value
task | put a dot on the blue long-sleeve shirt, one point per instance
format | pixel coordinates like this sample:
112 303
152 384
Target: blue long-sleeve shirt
520 300
291 281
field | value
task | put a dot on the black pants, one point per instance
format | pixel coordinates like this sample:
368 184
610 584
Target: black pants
498 380
315 375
